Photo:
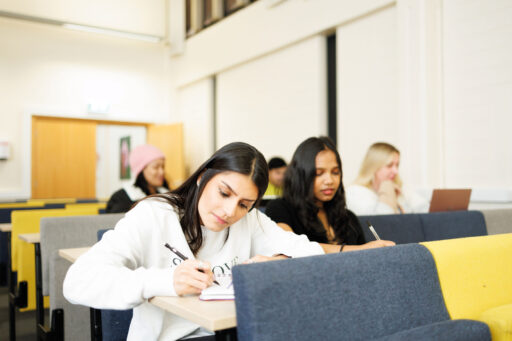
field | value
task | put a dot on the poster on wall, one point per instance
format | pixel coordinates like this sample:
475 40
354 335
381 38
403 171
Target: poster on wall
124 149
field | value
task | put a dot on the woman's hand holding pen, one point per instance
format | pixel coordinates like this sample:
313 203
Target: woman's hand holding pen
192 276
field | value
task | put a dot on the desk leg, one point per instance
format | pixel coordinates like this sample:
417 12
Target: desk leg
39 286
96 332
12 291
226 335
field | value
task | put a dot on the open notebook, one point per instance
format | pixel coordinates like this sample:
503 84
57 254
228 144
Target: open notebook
224 291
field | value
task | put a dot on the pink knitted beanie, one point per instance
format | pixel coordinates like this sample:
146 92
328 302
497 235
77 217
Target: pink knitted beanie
142 155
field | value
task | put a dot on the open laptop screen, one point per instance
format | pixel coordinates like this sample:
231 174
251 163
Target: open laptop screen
450 200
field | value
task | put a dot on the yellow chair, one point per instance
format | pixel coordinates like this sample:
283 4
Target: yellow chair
21 204
98 205
53 201
476 280
23 254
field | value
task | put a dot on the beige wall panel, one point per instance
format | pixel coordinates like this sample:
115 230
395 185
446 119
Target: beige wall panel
169 138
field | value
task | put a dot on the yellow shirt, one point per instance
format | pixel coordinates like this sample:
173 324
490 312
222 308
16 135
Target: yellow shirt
273 190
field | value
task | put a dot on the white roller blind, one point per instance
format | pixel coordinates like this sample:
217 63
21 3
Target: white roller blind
195 110
478 92
275 102
368 107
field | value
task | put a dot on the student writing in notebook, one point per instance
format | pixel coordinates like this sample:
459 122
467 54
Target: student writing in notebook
211 220
313 200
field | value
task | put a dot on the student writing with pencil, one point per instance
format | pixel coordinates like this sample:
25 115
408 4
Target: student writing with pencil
210 224
313 200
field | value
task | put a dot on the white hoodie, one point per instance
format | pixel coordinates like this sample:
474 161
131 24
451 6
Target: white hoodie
130 264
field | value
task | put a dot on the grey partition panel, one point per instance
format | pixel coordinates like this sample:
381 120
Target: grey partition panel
63 233
498 221
448 225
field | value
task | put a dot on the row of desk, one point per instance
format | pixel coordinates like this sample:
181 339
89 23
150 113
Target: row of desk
216 316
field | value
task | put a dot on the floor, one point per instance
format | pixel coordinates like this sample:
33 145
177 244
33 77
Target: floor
25 322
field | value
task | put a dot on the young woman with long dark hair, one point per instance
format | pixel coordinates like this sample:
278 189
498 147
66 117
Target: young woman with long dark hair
313 200
211 219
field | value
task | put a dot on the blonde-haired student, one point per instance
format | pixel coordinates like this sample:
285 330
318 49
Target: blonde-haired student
378 187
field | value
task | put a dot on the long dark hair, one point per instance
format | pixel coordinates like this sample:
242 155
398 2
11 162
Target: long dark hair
141 182
299 191
236 157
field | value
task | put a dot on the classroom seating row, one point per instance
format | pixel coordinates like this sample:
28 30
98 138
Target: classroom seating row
420 227
67 232
457 289
6 210
20 253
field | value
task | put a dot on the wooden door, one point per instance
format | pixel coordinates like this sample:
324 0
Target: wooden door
63 158
169 138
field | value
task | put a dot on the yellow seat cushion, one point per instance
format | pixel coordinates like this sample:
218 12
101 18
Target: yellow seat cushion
22 253
97 205
499 320
53 201
475 273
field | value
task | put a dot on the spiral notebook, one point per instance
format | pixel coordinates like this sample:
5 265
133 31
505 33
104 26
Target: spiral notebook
224 291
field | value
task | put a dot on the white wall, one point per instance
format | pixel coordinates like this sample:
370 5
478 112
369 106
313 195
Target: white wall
478 92
429 76
257 30
194 107
50 70
108 161
275 102
368 88
138 16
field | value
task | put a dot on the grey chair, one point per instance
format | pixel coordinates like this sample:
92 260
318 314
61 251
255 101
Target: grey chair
386 294
62 233
498 221
420 227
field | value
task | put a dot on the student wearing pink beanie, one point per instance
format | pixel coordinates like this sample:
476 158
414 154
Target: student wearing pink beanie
147 165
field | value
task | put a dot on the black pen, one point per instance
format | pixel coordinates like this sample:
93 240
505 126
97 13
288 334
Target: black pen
183 257
372 230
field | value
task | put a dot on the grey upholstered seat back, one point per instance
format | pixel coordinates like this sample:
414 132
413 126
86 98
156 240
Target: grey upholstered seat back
414 228
358 295
400 228
62 233
69 232
448 225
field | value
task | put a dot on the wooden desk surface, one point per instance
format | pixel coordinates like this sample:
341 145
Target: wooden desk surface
73 254
6 227
31 238
212 315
